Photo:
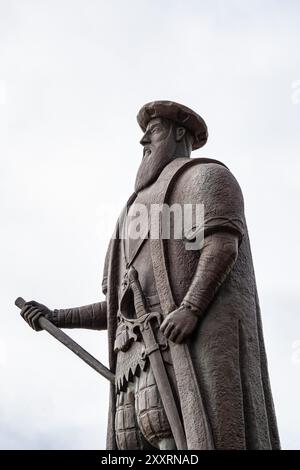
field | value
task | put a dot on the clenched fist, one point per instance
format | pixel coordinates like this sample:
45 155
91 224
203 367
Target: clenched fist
179 324
32 311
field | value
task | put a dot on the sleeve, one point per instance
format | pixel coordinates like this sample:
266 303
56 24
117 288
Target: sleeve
92 317
221 201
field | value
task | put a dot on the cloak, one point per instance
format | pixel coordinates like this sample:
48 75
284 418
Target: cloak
227 349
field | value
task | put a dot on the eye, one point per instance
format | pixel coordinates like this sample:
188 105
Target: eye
154 129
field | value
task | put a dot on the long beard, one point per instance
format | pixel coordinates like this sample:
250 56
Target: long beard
151 166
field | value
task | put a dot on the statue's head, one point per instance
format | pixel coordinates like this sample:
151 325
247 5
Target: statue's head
171 130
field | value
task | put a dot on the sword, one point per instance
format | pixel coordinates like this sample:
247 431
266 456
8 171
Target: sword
157 363
71 344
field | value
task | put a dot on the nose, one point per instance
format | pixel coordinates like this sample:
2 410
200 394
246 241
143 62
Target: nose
145 139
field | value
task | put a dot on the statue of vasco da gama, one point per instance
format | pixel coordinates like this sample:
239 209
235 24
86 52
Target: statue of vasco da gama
184 326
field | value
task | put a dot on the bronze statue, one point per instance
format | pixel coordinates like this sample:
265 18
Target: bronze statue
184 327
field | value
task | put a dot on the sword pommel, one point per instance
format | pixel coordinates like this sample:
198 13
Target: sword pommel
133 274
20 302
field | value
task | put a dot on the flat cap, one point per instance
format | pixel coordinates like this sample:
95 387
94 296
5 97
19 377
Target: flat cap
179 113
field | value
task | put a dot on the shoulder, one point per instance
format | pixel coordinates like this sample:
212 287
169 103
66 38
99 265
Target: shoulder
206 178
203 171
213 186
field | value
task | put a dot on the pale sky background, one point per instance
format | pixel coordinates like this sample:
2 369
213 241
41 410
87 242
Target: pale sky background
73 75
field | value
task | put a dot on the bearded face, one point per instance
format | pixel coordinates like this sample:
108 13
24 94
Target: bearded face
159 145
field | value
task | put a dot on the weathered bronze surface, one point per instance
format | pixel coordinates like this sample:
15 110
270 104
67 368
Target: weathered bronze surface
184 326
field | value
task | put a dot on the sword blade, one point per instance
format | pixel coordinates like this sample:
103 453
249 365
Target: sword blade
165 390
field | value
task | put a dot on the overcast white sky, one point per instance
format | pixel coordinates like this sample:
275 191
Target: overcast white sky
73 75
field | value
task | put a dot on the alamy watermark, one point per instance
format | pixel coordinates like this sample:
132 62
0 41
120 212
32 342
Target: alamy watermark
3 353
2 92
162 221
296 352
295 96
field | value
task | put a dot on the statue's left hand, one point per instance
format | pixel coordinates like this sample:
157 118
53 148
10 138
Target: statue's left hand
179 324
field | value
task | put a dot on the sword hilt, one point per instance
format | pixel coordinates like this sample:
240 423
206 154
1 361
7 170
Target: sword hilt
139 300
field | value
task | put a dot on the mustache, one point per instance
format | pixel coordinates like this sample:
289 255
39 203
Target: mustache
147 149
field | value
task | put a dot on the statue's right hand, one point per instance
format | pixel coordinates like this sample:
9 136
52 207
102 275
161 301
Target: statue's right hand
32 311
